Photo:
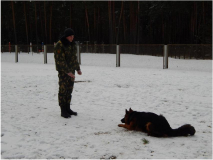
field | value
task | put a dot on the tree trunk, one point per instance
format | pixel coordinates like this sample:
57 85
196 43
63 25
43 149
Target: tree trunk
87 20
14 22
51 23
98 26
122 6
110 23
45 23
31 21
114 22
36 24
130 22
163 29
95 28
138 26
70 16
26 25
195 24
41 22
192 26
203 32
124 28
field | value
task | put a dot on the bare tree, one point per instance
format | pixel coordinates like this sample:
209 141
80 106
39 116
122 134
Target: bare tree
110 22
45 23
122 8
203 35
41 23
87 21
14 22
95 23
138 22
26 24
51 7
124 27
36 24
70 15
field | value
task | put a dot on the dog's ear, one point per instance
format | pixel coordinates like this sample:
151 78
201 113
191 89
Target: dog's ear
130 110
127 111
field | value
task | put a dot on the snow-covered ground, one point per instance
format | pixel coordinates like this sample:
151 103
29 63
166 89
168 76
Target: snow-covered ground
31 125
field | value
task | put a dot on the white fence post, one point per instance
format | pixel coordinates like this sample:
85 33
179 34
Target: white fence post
165 57
78 53
16 53
117 56
45 54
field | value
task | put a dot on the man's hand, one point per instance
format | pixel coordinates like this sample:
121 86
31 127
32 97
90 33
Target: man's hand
71 75
79 72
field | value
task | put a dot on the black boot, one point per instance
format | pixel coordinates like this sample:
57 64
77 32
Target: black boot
70 111
64 112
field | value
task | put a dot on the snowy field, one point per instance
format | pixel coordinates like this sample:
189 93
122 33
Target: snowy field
32 128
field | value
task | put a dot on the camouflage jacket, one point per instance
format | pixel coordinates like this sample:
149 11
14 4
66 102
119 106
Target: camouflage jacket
65 57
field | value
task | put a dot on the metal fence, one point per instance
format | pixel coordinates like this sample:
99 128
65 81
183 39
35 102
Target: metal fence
195 51
180 51
142 49
26 48
98 48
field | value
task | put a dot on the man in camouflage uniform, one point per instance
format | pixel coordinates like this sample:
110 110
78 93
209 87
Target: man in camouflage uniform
66 63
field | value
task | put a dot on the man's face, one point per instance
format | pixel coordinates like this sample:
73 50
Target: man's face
70 38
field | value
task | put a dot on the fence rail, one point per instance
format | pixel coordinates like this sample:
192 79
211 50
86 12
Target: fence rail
180 51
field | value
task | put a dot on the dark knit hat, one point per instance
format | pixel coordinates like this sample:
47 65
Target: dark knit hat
68 32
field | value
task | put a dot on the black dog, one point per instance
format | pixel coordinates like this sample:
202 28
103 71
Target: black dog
153 124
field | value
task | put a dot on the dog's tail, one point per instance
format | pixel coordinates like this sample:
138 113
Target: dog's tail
184 130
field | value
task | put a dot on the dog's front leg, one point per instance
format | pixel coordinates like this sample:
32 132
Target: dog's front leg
121 125
129 127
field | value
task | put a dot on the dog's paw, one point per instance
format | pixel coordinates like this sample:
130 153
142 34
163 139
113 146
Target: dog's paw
120 125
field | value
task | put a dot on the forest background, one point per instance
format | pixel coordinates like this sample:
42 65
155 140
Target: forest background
107 22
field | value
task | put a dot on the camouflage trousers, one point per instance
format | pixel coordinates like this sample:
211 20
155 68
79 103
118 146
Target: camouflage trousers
66 84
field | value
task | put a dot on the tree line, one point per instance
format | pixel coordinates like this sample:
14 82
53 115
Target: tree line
108 22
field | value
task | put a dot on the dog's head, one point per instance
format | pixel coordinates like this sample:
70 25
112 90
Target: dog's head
126 116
